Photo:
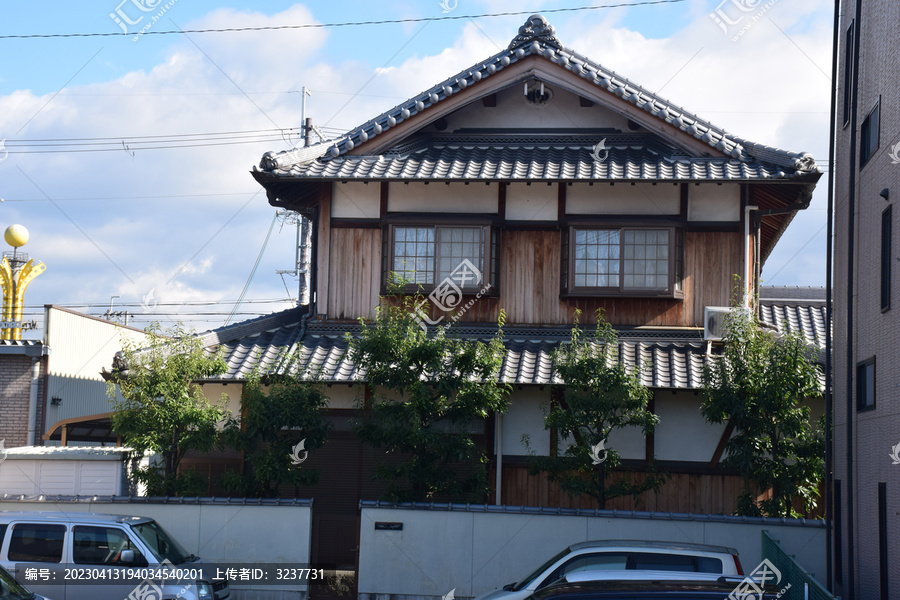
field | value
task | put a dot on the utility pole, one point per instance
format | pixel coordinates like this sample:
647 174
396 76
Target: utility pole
303 248
302 252
305 124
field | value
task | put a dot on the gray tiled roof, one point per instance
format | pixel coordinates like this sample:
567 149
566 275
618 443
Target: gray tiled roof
537 38
796 309
588 512
665 358
534 160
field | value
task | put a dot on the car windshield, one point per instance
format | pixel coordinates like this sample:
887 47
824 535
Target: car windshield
161 545
10 589
521 584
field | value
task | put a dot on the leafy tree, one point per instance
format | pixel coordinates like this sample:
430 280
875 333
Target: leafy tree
760 385
288 403
600 396
435 388
164 409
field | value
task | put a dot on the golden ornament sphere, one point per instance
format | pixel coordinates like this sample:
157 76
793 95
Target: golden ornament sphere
16 236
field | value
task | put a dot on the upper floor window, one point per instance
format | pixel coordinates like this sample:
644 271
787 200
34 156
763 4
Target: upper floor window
624 261
848 71
865 385
869 134
426 255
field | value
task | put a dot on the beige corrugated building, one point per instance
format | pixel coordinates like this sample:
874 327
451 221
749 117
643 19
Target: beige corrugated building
866 302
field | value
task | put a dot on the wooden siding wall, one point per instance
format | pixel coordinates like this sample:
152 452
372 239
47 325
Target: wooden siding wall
529 281
711 260
705 493
355 280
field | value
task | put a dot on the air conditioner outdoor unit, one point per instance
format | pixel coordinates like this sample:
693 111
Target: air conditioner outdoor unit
714 322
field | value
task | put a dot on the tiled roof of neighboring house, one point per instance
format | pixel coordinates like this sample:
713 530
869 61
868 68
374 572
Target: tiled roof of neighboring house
796 309
531 159
23 347
537 38
261 343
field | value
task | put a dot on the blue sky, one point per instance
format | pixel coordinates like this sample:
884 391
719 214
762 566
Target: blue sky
186 225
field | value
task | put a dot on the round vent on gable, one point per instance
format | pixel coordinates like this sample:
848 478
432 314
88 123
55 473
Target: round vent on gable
537 94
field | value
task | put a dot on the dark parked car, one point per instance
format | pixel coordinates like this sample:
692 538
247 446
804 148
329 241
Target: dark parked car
10 589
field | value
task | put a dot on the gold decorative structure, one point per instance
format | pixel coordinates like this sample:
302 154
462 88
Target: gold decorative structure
16 272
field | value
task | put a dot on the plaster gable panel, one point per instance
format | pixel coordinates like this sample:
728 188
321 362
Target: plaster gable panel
345 397
640 199
524 417
563 111
442 198
609 110
683 434
629 442
714 202
356 200
537 202
225 394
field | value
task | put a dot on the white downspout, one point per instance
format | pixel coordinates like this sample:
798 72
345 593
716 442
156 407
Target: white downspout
748 269
32 399
498 446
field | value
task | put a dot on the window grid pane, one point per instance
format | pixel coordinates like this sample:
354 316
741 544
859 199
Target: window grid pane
458 244
596 258
646 260
414 254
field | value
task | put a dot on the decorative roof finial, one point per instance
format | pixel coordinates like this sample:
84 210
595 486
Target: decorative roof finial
536 28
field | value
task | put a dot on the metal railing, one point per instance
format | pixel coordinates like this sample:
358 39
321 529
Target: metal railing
803 585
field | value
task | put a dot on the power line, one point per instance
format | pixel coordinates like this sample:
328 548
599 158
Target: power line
155 142
169 136
105 304
253 270
345 24
120 148
140 94
153 197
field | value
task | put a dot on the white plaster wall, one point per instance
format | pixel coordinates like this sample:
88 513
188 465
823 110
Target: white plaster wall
536 202
473 552
344 396
524 417
229 393
355 200
714 202
623 199
683 433
442 198
629 442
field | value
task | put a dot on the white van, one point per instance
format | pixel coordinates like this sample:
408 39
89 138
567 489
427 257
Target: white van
88 556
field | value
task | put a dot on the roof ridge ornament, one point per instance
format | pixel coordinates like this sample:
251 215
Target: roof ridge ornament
536 28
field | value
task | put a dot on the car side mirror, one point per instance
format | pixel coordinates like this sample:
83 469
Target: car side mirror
127 556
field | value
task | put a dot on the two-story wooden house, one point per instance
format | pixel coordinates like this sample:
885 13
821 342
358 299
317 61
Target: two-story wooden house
563 186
